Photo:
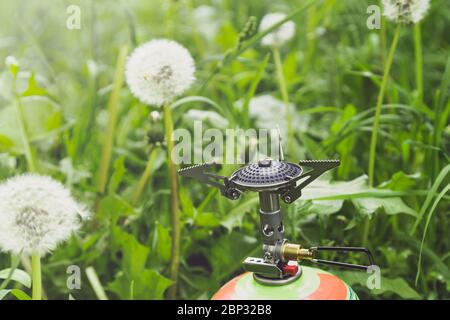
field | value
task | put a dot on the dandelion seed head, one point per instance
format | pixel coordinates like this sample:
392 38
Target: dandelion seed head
159 70
155 116
36 214
11 61
280 35
406 11
270 113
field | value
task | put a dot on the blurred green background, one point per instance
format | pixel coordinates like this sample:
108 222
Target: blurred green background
333 70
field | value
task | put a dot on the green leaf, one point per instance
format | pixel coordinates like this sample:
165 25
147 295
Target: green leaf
33 88
228 252
134 254
369 206
207 219
401 181
235 216
163 242
325 207
18 275
119 172
5 143
19 294
430 214
430 196
444 88
227 36
148 284
437 262
186 204
41 114
322 189
367 200
113 207
290 67
191 99
4 293
397 286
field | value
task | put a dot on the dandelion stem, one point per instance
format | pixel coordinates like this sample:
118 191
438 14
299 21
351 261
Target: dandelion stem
284 95
383 40
419 61
174 214
145 177
112 122
31 162
95 283
376 122
36 276
14 264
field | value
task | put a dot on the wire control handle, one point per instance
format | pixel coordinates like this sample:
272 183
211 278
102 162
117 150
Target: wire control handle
314 250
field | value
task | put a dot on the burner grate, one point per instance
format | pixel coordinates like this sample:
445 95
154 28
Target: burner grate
266 173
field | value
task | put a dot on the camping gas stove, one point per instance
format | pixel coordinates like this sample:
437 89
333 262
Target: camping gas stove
275 180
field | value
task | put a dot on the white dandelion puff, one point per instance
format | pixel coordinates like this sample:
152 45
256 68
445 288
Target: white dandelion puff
271 113
11 61
280 35
159 70
405 11
36 214
155 116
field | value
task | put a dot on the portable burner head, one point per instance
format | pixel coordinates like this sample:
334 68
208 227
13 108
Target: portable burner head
274 179
270 175
266 174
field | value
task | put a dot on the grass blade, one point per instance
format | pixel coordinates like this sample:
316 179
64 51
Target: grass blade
430 214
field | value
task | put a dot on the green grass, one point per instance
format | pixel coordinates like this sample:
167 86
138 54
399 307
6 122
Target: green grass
332 72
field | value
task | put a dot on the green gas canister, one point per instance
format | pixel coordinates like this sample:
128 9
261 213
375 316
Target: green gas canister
312 284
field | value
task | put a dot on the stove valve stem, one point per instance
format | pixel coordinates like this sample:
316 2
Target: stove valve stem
295 252
290 251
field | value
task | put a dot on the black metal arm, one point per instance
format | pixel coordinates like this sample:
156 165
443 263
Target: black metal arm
318 168
198 172
343 264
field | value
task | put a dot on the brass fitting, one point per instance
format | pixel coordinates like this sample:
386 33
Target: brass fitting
290 251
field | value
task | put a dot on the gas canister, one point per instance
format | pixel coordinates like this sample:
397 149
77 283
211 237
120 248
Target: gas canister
313 284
